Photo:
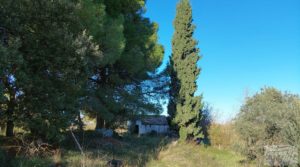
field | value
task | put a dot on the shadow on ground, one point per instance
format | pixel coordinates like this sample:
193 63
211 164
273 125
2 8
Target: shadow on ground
132 150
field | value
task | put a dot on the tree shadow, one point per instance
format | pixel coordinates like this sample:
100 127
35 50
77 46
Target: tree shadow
132 150
139 150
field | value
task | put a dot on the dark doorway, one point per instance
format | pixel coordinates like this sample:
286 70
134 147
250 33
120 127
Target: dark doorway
136 129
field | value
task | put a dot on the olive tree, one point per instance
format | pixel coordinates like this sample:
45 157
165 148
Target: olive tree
270 117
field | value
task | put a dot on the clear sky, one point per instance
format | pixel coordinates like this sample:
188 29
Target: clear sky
245 44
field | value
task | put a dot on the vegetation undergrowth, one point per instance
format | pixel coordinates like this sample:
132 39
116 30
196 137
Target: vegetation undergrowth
133 151
189 154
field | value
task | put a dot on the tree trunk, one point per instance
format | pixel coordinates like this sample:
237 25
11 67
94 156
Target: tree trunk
9 128
10 122
80 122
100 123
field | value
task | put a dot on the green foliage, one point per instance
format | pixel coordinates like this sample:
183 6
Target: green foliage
3 158
106 30
34 161
206 122
184 73
115 7
59 58
183 133
270 117
11 66
291 129
129 44
188 154
141 53
133 151
56 53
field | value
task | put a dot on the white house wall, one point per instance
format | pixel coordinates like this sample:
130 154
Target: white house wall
143 129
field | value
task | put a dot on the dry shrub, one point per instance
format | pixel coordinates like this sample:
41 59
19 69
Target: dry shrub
224 136
31 148
57 157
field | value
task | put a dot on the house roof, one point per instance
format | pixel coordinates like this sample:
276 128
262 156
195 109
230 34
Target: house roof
155 120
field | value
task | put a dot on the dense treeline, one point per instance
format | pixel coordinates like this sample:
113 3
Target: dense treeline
62 58
65 58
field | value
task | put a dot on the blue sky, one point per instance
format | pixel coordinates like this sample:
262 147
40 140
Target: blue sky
245 44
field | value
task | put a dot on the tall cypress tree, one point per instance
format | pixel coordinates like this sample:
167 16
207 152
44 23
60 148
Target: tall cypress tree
184 72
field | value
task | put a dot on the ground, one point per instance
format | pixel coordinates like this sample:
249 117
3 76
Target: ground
190 155
134 151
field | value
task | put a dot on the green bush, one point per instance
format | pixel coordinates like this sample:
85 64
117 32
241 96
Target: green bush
3 158
270 117
31 162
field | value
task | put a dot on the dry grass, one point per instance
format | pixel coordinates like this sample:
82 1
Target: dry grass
190 155
89 159
224 136
149 151
133 152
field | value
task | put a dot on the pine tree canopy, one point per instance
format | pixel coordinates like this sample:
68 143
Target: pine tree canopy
62 58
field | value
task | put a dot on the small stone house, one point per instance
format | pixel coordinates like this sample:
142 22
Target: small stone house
149 124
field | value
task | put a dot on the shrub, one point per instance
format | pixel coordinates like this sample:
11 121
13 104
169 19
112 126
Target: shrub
223 136
270 117
30 162
3 158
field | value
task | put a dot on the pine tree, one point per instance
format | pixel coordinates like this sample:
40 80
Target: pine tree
184 70
126 62
58 56
44 74
11 63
